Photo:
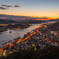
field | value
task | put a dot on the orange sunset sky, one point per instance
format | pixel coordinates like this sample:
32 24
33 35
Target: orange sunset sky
33 8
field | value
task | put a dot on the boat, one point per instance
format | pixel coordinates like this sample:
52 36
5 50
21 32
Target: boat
10 31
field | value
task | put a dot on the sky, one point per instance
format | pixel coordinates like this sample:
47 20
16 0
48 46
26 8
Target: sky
33 8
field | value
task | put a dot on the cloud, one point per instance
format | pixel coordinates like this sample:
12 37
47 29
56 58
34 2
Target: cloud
6 5
9 6
3 8
17 6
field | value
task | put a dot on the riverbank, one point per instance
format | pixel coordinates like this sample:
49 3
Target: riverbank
6 36
5 27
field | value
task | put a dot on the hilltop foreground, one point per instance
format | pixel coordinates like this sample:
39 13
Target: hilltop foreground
51 52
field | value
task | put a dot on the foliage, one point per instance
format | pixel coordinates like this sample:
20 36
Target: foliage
51 52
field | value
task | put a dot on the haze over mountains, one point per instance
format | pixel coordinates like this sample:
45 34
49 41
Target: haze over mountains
2 16
26 19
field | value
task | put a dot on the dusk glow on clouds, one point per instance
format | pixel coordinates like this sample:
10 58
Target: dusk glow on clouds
33 8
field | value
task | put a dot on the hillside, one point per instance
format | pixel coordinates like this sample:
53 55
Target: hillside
28 21
5 21
46 53
54 26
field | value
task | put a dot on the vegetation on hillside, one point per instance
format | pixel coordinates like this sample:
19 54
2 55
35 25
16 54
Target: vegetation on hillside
50 52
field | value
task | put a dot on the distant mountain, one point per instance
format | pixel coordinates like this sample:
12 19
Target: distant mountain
54 26
18 19
23 19
54 20
15 17
5 21
2 16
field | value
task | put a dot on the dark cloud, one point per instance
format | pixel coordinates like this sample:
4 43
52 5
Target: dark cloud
9 6
6 5
17 6
3 8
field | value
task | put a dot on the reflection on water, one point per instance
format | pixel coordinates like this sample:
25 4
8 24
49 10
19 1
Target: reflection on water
6 36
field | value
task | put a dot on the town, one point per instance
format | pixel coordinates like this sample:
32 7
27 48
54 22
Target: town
41 37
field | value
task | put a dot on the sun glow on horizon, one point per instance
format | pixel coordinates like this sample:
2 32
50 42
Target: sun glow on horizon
49 17
33 8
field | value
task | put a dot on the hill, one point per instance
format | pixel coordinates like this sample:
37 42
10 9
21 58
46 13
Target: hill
51 52
54 26
6 21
